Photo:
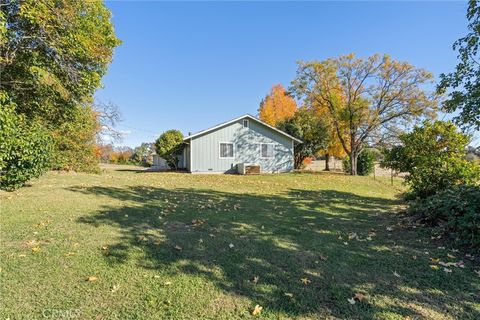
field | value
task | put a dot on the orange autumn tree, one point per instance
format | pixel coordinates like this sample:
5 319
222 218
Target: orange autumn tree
276 106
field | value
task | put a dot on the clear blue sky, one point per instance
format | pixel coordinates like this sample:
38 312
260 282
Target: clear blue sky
191 65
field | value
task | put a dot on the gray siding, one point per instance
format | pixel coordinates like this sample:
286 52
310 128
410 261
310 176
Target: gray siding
205 149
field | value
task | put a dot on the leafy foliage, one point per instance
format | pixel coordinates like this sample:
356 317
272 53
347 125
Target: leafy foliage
53 55
464 81
365 98
277 106
143 154
365 163
309 128
168 146
456 211
75 143
25 147
434 157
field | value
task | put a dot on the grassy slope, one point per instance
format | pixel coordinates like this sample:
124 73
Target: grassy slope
283 228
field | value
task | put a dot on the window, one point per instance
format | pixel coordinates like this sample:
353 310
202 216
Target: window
245 123
226 150
266 150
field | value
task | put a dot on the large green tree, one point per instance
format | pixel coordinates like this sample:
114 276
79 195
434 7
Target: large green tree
53 55
311 129
364 98
464 83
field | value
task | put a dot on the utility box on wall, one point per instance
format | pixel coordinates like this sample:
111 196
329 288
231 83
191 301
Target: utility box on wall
248 168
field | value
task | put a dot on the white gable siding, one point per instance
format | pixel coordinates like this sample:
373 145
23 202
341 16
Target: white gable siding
205 149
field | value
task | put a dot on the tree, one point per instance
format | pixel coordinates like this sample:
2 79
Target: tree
433 155
143 154
464 81
334 147
309 128
364 97
169 145
276 106
365 163
53 55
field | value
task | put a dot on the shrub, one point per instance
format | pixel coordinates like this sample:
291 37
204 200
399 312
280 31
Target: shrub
168 146
434 157
75 142
456 212
25 147
365 163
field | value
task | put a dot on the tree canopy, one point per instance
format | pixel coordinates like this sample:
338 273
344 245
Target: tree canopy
276 106
53 55
365 97
168 146
308 127
464 81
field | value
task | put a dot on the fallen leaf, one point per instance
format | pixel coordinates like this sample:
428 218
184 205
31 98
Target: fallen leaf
105 248
434 267
167 283
447 270
200 240
389 229
435 260
451 256
256 310
477 272
36 249
114 288
69 254
255 279
92 279
231 245
178 248
351 300
396 274
305 281
32 243
359 296
287 294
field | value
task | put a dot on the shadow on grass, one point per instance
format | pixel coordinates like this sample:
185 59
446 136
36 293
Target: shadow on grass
280 238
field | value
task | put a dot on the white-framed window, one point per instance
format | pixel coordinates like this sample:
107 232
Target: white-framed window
245 123
267 150
226 150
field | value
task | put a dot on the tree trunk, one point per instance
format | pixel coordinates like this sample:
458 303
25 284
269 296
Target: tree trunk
327 159
353 163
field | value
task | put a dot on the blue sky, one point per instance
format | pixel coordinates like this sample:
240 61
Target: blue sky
191 65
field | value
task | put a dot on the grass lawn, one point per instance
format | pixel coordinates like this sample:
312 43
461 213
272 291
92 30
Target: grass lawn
180 246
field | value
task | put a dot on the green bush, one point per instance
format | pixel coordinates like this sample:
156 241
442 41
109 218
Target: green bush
25 147
169 145
456 212
365 163
433 155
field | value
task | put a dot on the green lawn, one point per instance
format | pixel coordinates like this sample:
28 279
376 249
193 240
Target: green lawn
180 246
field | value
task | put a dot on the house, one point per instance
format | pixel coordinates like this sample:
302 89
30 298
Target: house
236 144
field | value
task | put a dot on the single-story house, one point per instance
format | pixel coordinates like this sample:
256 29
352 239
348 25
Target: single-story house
238 145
